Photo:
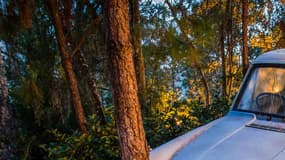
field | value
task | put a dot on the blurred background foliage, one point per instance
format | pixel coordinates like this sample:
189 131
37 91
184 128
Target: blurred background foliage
181 45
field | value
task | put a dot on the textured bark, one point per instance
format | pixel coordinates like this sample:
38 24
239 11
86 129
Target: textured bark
244 36
5 150
67 66
138 55
123 79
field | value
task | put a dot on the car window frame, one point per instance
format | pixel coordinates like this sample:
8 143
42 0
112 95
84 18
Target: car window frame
245 83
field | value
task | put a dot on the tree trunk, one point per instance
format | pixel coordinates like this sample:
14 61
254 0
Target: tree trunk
224 66
281 42
244 36
138 55
229 9
84 69
68 68
124 87
5 152
26 8
205 83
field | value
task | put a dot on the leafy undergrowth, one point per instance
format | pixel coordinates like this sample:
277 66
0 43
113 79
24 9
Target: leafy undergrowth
181 118
102 141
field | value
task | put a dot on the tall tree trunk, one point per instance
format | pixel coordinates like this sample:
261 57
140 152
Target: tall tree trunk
68 68
84 69
26 8
281 42
124 87
224 65
205 83
5 152
173 76
229 9
244 36
138 55
230 74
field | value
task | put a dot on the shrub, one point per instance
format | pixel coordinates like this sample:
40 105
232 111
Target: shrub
100 143
181 118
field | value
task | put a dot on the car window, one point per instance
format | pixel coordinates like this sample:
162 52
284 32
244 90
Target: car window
264 91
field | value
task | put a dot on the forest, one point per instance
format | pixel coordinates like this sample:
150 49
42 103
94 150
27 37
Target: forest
113 79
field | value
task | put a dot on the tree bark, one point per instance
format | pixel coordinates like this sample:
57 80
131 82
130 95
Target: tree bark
224 65
244 36
138 55
124 87
229 9
5 152
68 68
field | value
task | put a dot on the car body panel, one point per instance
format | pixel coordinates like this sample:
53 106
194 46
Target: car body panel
167 150
271 57
280 156
233 139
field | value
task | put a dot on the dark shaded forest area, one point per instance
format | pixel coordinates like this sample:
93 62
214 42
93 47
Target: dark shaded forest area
112 79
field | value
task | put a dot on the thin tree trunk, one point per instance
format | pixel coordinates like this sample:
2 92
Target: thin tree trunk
244 36
5 152
188 42
281 42
230 45
26 8
138 55
173 76
230 77
84 67
224 65
205 83
124 87
68 68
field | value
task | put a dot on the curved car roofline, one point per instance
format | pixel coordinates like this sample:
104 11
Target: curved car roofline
271 57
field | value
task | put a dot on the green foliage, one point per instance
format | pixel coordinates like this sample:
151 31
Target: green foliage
218 108
182 117
39 93
168 125
100 143
30 95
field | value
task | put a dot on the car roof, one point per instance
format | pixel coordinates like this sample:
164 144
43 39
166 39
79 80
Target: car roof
271 57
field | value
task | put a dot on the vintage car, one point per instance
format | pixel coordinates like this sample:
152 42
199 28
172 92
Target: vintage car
254 129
